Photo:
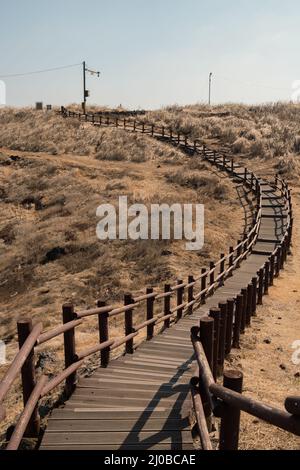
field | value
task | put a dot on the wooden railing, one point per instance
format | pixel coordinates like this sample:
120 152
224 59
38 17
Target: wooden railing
226 401
218 334
174 301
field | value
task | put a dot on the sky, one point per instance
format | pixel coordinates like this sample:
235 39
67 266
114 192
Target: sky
150 53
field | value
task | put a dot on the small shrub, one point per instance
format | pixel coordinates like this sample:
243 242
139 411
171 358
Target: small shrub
297 144
241 145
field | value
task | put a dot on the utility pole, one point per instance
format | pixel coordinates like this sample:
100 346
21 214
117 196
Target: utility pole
86 93
209 89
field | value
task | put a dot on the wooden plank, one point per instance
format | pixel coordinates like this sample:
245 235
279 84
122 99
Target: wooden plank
173 343
177 446
106 401
151 367
141 407
131 370
106 425
157 356
127 384
156 365
103 438
85 414
126 393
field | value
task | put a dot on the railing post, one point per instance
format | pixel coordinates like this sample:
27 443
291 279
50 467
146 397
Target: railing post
185 141
150 308
167 304
245 240
171 134
128 300
278 262
266 281
215 314
190 294
246 175
203 285
163 131
206 338
195 331
28 377
239 252
230 421
178 138
237 321
180 293
222 269
249 304
244 312
229 326
152 130
260 286
69 347
103 334
231 253
143 128
212 274
272 269
254 295
223 325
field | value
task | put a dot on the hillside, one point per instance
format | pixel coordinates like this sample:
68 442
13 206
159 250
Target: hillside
54 174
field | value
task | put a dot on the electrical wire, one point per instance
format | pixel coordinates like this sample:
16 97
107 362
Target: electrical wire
39 71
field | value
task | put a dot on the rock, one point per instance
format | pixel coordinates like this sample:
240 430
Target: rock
255 421
45 359
267 341
283 367
297 375
166 253
44 290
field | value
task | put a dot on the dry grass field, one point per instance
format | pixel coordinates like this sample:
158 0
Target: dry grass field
53 175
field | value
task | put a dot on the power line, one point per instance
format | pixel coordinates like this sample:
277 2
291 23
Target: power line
39 71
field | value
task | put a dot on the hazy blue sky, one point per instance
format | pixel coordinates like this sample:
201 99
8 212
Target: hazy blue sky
151 52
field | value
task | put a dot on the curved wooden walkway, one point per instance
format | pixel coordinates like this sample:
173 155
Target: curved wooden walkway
141 401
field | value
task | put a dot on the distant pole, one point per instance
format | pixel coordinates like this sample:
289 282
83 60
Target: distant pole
84 88
209 90
85 91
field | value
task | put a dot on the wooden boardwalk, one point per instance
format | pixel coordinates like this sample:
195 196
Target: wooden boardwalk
141 401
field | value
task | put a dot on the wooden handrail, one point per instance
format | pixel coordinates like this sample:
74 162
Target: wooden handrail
19 360
26 415
279 418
